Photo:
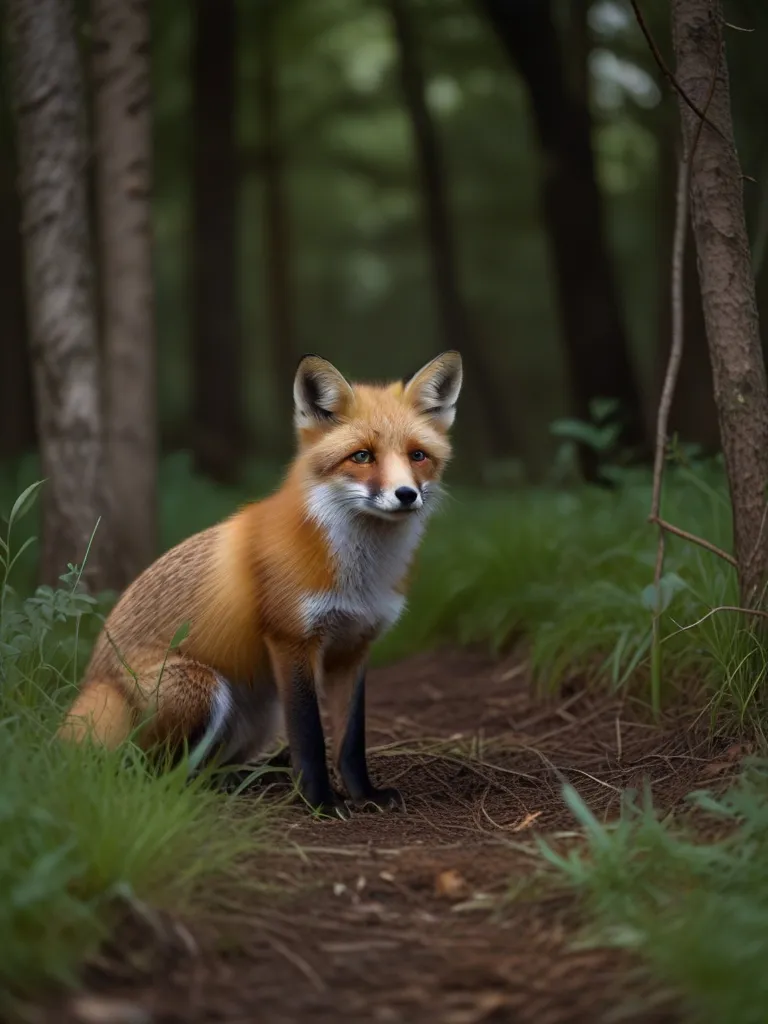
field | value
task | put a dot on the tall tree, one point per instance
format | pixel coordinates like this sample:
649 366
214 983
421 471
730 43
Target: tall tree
218 426
452 311
52 148
17 426
593 333
277 226
727 283
123 132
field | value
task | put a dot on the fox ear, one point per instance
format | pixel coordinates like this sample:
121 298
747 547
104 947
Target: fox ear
435 388
320 392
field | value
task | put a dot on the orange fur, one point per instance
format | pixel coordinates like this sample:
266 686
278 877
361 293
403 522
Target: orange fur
243 586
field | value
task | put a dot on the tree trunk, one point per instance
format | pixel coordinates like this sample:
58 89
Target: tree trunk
17 423
123 129
451 309
279 296
727 284
594 337
218 427
693 416
53 156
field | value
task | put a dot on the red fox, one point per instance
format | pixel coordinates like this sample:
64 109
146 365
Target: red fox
284 599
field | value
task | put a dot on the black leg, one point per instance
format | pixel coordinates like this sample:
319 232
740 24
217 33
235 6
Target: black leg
353 765
307 744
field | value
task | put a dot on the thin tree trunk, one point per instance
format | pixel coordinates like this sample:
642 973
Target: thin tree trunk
53 152
727 284
451 309
218 426
594 338
123 129
279 297
17 423
693 416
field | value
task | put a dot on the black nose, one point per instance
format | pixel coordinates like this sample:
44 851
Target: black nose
406 495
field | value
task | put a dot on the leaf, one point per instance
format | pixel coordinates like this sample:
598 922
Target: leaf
584 816
450 884
180 635
24 502
596 437
602 409
669 585
20 552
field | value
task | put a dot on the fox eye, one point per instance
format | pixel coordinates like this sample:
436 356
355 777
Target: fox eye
418 455
362 457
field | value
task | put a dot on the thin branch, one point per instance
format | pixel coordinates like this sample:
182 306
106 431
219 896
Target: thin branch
657 56
676 350
702 543
757 612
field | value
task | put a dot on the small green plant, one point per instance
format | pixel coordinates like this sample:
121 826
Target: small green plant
84 832
695 909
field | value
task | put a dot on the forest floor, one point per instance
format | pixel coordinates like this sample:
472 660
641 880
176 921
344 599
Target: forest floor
440 913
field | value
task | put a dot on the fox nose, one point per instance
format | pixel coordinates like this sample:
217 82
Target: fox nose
406 496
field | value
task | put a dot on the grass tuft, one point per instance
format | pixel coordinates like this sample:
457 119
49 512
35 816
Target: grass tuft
694 909
84 830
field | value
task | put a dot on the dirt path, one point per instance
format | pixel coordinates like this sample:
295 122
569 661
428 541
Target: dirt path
403 917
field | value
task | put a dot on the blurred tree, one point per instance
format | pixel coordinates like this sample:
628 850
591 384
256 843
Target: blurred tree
17 422
593 332
52 147
278 262
123 134
217 370
727 282
451 307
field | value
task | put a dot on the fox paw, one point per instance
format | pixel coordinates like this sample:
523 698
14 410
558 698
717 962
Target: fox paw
335 807
386 799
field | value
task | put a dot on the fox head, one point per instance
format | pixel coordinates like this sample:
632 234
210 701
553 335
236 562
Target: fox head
376 450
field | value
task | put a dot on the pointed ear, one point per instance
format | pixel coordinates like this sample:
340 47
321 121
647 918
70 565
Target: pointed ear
320 392
435 388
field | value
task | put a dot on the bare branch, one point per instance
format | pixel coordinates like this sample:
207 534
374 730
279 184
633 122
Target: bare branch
702 543
657 56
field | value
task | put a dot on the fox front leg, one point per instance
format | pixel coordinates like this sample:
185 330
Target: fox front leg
295 680
346 698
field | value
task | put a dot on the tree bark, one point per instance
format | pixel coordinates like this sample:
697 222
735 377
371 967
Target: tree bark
17 417
53 152
594 338
218 427
123 129
452 312
727 284
280 301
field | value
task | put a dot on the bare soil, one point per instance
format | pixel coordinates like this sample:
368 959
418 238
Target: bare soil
438 913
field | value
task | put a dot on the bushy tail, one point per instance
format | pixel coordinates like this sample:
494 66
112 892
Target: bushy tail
101 713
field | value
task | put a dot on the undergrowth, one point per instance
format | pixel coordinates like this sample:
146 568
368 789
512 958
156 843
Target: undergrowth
85 833
569 569
695 909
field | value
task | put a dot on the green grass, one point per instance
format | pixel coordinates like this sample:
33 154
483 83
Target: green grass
697 912
572 572
85 833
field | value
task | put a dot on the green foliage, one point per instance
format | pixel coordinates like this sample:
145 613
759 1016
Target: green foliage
572 571
84 832
697 911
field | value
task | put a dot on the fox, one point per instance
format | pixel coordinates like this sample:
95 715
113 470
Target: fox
279 604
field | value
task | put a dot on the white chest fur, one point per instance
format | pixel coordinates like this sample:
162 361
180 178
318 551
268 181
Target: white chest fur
370 559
